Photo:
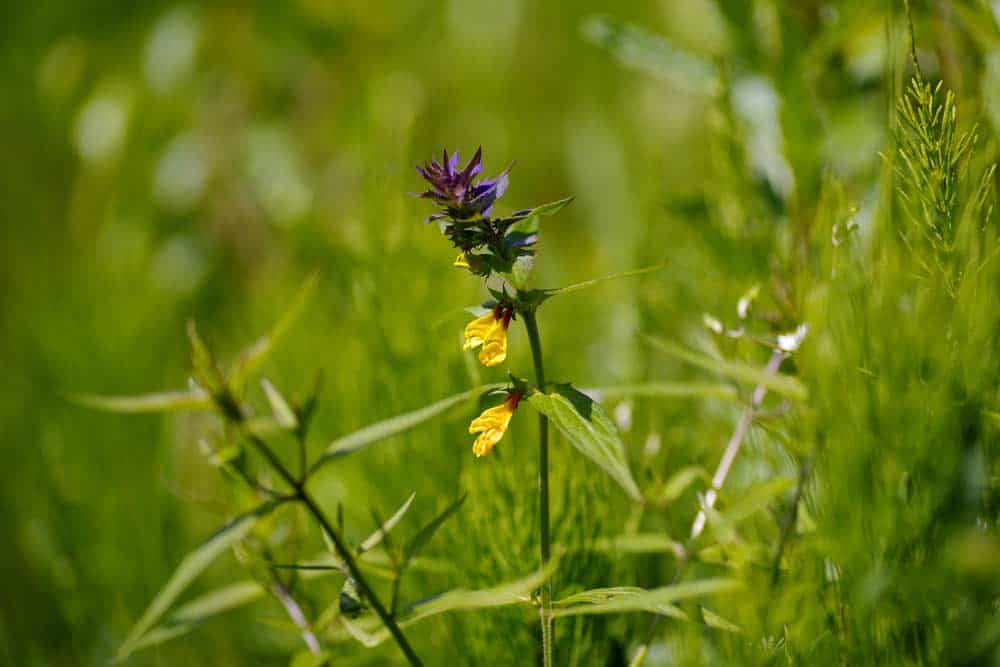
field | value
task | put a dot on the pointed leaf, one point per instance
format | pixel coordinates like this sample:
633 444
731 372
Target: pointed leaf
259 352
373 540
588 428
395 425
192 565
603 279
657 601
280 408
368 630
421 539
545 209
713 620
169 401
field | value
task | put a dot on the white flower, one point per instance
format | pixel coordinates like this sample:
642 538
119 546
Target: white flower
790 342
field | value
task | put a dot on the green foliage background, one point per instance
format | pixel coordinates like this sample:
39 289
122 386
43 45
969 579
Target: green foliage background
167 162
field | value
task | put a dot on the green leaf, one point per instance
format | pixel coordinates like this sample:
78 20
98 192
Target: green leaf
603 279
192 565
206 371
713 620
373 540
680 481
216 602
544 210
652 54
170 401
756 499
588 428
785 385
395 425
421 539
369 632
657 601
637 543
258 353
725 392
306 658
282 411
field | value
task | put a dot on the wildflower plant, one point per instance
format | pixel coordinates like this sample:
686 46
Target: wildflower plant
500 249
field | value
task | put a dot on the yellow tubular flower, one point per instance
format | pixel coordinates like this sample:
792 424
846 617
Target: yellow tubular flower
492 424
490 331
477 329
494 350
462 261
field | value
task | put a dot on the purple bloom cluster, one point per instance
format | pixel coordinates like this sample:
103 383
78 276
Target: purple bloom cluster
457 191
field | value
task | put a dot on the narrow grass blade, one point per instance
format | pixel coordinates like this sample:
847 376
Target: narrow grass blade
259 352
375 538
169 401
785 385
427 532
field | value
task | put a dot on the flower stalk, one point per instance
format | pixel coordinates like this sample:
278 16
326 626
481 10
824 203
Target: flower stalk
531 325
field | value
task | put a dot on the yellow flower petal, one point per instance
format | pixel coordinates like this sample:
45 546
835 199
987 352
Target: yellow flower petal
491 425
494 350
462 261
477 329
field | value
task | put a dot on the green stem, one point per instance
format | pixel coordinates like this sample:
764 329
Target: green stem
342 549
543 486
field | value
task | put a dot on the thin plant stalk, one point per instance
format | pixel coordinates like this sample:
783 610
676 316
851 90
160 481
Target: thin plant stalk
531 324
735 443
343 551
718 480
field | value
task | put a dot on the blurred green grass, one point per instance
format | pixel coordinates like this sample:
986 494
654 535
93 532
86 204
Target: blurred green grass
168 162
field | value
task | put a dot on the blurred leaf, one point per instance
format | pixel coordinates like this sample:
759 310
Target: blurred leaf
757 498
306 658
785 385
657 601
680 481
171 401
713 620
280 408
637 543
603 279
367 630
395 425
203 365
651 53
588 428
259 352
192 565
373 540
725 392
216 602
427 532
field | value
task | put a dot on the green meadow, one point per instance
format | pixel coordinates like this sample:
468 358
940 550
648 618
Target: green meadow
697 361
